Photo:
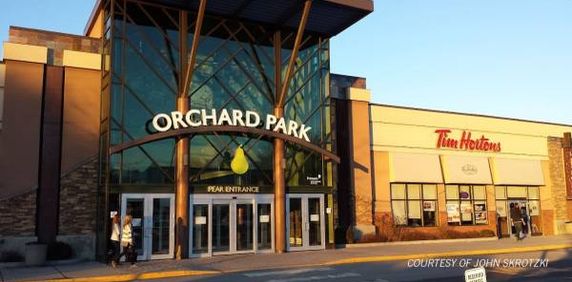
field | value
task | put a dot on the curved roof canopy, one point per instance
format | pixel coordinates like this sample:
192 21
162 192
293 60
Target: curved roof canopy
327 17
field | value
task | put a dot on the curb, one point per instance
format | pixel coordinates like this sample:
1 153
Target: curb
139 276
415 242
451 254
187 273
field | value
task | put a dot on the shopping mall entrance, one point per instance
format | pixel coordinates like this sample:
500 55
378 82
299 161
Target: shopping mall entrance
231 224
306 226
153 224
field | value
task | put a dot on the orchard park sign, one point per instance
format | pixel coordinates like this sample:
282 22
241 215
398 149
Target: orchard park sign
195 121
196 118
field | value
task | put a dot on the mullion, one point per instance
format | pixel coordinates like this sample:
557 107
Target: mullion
242 28
145 153
247 74
253 39
218 153
231 94
157 26
130 90
175 23
302 86
246 153
228 60
151 43
143 59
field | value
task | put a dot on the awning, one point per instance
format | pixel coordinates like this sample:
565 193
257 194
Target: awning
466 170
420 168
517 172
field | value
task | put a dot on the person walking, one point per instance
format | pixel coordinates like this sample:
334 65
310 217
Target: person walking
525 220
516 217
127 241
115 238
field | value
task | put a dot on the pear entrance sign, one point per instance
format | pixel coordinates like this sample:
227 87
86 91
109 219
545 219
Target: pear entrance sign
239 164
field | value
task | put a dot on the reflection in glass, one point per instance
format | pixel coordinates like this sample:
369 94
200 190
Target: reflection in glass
161 225
221 228
295 222
200 229
315 218
264 227
136 208
244 225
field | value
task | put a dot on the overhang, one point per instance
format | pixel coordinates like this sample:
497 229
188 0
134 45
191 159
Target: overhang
327 17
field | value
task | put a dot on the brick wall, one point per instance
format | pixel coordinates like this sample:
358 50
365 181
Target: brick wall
557 178
56 42
78 190
18 215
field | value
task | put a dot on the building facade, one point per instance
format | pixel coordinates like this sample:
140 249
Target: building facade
219 128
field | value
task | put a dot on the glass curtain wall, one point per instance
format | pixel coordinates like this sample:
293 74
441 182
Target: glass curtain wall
235 69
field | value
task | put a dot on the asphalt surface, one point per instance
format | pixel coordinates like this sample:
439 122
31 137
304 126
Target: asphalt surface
534 266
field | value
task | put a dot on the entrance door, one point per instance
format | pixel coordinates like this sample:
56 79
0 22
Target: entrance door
524 210
153 224
306 225
229 224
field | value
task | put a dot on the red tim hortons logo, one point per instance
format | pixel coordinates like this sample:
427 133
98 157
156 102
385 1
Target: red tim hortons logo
467 142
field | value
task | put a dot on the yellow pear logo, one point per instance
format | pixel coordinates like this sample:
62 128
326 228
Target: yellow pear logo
239 164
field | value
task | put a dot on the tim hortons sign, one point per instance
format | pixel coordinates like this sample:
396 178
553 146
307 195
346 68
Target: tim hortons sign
194 118
466 142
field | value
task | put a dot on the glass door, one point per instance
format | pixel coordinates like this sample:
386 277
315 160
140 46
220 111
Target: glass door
221 226
306 226
153 224
224 225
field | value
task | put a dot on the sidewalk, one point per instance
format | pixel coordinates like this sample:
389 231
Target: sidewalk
94 271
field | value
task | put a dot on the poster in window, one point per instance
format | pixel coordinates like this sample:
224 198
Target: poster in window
534 208
453 214
466 211
481 213
428 206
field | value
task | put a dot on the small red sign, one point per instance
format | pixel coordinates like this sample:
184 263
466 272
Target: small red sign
466 142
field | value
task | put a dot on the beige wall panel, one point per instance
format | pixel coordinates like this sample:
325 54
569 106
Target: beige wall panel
423 139
82 60
428 118
409 167
19 140
81 117
381 182
517 172
466 170
25 53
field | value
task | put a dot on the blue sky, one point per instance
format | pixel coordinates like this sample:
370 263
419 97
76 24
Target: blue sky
509 58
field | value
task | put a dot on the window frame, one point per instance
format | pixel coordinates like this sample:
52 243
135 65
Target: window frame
471 200
406 200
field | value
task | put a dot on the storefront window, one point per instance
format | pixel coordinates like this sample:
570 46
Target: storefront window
466 204
528 198
414 204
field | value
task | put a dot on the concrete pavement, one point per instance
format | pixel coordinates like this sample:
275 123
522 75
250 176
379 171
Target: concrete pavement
363 253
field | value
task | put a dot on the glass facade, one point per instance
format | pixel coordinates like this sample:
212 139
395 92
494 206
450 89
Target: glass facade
235 68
